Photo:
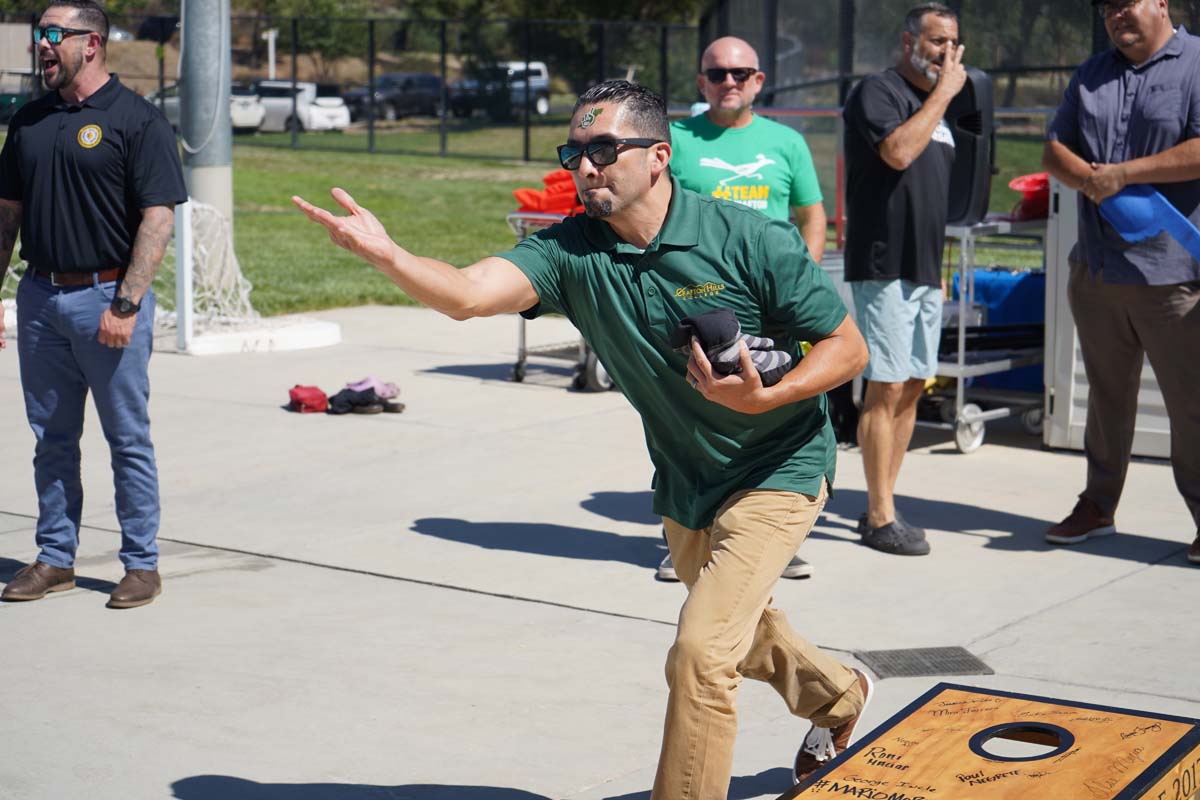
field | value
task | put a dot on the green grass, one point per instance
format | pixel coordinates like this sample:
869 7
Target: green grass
450 209
464 137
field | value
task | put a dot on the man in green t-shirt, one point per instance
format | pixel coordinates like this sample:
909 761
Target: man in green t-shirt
734 154
742 469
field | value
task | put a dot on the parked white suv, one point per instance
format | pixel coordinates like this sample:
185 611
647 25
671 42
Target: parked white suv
246 111
317 108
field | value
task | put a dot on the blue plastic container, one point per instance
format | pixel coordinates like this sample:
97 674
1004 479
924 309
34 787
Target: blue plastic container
1011 297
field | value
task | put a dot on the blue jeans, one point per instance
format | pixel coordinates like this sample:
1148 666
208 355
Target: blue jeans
61 361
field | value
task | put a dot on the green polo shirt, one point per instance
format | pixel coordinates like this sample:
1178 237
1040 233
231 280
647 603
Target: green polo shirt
709 254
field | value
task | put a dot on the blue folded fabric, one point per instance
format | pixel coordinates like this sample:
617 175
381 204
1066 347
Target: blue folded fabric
1138 212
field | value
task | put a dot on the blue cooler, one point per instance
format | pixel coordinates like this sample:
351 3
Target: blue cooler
1011 297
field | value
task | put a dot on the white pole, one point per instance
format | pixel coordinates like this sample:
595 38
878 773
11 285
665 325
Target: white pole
270 36
184 294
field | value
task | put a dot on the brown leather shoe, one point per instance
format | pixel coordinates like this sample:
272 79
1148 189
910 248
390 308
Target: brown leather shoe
138 588
1194 551
822 745
1085 521
35 581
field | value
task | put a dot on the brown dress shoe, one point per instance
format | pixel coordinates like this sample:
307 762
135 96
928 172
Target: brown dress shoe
1086 520
34 581
1194 551
138 588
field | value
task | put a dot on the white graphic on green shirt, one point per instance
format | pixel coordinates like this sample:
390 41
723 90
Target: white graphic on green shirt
751 170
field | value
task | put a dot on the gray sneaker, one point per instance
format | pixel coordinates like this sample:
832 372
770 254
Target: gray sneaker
897 539
797 568
666 570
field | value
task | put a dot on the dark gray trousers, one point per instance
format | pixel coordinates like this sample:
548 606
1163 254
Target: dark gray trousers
1117 324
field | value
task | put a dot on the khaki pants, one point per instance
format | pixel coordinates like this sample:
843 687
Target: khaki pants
728 630
1118 324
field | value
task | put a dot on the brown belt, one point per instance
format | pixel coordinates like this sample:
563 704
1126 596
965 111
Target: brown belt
80 278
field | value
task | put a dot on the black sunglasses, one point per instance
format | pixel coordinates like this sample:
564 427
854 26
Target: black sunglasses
601 153
54 34
740 74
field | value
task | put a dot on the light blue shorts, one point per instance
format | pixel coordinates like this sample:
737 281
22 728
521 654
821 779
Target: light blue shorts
902 323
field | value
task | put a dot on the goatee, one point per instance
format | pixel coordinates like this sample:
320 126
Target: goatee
598 208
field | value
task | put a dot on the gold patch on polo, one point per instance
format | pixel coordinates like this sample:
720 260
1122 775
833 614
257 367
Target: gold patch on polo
90 136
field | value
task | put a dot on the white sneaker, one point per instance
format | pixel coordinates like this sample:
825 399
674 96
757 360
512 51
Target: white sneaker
666 570
797 568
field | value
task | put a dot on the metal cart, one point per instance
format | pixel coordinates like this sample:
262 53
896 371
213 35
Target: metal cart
590 374
967 419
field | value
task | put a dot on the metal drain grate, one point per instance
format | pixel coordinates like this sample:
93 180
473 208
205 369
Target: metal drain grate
919 661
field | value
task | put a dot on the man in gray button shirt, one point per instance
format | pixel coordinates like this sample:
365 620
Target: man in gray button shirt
1130 116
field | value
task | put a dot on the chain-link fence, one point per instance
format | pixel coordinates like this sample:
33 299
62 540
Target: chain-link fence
495 88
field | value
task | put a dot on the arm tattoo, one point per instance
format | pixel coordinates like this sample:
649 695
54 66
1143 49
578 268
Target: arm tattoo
153 234
10 226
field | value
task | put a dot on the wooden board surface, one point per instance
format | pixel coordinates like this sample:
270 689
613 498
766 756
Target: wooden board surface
954 743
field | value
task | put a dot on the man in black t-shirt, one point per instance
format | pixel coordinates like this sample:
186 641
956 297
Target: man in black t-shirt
89 176
899 152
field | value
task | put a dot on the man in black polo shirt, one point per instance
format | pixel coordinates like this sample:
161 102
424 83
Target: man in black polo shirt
899 152
90 177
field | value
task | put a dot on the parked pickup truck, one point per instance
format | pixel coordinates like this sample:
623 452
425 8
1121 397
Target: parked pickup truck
500 90
397 94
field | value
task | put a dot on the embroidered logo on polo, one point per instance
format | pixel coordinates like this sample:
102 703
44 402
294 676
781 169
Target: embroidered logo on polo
756 195
90 136
695 291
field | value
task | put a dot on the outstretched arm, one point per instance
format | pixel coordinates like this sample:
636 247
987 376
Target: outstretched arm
488 287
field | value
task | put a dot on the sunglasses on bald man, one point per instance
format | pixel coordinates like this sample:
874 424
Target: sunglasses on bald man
740 74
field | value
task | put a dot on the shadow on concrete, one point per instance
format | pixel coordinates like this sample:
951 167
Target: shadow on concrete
503 371
768 782
10 566
634 507
545 539
225 787
1004 530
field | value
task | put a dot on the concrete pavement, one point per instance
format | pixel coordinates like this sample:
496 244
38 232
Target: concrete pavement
458 601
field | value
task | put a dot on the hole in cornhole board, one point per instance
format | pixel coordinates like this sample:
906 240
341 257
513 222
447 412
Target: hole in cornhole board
1021 741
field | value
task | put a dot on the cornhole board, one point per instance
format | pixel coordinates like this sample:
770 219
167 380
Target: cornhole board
935 750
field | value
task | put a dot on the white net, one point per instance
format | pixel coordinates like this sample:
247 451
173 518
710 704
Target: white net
220 292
